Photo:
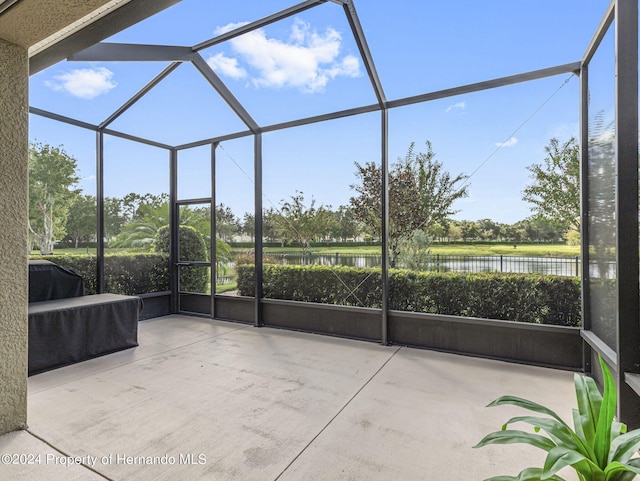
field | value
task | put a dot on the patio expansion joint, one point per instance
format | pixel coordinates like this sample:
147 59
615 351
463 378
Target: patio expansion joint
351 399
67 455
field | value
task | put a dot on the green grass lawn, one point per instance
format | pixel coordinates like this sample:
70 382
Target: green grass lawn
470 249
534 250
229 286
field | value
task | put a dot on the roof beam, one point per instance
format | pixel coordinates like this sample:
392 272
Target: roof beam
123 17
127 52
361 41
61 118
601 31
140 140
141 93
224 92
489 84
301 7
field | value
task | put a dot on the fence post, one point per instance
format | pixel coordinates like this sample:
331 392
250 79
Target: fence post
337 257
437 262
577 266
501 270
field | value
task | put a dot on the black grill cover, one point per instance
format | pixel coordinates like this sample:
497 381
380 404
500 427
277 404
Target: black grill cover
48 281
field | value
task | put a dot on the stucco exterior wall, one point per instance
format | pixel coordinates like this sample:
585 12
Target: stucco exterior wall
29 22
14 77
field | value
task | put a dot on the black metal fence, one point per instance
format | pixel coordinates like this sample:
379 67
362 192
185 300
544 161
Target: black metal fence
560 266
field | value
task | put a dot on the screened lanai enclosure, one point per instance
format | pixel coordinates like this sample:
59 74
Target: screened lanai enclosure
270 117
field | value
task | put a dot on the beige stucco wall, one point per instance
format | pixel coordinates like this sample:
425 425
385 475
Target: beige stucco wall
28 22
14 77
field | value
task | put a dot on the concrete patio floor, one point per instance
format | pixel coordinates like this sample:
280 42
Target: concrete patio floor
211 400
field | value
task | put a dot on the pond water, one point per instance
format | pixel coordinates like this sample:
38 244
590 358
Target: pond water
563 266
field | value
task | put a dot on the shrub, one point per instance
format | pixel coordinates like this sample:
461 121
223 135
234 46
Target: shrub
192 248
136 274
315 283
192 244
244 258
127 274
531 298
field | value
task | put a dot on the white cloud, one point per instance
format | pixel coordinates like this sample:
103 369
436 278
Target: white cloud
85 83
459 106
307 60
565 131
228 27
227 66
509 143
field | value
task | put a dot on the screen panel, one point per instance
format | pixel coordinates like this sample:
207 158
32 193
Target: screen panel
602 191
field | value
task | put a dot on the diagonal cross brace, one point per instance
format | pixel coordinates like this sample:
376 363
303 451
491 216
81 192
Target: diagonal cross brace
224 92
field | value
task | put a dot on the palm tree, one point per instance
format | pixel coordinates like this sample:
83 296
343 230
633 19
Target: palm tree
142 231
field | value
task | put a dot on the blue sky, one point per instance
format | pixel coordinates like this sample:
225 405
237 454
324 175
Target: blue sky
309 64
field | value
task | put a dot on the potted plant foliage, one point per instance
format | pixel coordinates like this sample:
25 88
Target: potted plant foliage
598 448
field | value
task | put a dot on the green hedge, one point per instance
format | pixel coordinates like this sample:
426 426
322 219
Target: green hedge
533 298
129 274
192 248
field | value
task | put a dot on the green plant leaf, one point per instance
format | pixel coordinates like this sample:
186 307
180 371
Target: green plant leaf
527 474
579 429
602 441
514 437
525 404
558 431
560 457
628 476
624 446
634 462
617 429
589 402
613 470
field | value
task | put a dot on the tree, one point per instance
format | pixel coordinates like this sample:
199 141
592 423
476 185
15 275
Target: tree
572 237
52 175
438 230
198 217
150 219
114 217
297 222
555 191
414 251
421 194
539 229
454 232
269 230
132 202
81 222
488 229
227 223
514 233
343 224
469 230
141 230
248 226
